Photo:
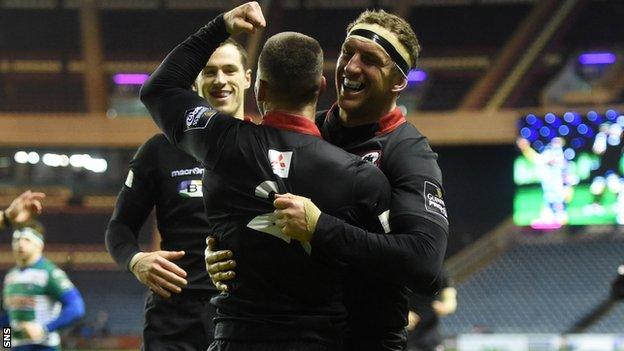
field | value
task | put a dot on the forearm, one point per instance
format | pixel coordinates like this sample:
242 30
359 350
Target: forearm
412 255
123 229
177 73
73 309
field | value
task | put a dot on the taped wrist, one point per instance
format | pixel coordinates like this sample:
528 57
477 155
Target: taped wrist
312 214
134 260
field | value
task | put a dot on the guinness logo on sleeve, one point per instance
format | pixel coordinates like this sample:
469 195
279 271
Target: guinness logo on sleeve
433 199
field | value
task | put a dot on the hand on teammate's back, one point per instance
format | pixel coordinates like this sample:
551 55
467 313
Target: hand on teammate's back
244 18
219 264
157 271
296 216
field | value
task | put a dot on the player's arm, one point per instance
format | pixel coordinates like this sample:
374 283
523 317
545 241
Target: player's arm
134 204
187 119
136 199
72 309
24 207
412 255
59 288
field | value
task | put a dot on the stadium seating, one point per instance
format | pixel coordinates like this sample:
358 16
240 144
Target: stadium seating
117 293
538 288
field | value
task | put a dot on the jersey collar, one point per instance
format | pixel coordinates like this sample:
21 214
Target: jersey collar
293 123
386 124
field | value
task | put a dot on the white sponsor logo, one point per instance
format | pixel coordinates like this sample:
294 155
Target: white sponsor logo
433 199
266 224
384 220
129 179
280 162
372 157
190 188
265 189
188 171
194 117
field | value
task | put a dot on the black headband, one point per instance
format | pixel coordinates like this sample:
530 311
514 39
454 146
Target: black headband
394 55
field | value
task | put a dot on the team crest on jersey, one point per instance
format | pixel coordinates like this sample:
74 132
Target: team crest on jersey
434 202
372 157
198 117
280 162
190 188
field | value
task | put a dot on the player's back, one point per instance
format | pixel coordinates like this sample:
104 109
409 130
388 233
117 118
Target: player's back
281 289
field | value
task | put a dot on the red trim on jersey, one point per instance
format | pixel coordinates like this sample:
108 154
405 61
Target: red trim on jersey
391 121
294 123
387 123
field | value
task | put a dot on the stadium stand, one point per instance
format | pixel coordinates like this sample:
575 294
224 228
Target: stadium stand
537 288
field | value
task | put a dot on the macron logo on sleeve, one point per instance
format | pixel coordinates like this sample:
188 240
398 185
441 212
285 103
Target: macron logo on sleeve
198 117
280 162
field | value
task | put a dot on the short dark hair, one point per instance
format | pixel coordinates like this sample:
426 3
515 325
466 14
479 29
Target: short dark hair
292 64
240 48
396 25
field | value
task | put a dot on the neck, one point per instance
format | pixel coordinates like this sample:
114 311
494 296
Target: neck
239 113
360 118
307 111
29 261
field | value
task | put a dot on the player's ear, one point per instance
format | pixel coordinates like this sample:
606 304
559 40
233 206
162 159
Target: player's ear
247 79
323 86
399 84
261 89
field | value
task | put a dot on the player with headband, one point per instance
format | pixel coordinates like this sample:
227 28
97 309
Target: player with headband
378 51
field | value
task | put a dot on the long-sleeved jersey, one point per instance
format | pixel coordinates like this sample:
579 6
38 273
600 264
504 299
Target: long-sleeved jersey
412 255
283 289
163 176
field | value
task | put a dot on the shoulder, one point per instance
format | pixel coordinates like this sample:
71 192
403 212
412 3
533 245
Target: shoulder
407 143
151 147
157 140
47 265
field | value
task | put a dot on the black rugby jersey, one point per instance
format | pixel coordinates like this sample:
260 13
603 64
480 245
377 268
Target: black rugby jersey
413 253
163 176
282 289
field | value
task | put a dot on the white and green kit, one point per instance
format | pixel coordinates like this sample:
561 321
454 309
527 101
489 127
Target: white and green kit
32 294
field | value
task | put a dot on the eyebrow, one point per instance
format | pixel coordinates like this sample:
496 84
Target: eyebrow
368 50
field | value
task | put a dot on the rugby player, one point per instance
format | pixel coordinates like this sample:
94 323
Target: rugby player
178 314
285 296
38 296
371 73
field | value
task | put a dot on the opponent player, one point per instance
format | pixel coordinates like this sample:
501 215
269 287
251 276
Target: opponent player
37 295
379 50
285 296
178 314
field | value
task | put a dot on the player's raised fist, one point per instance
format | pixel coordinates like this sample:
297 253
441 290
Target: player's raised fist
244 18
